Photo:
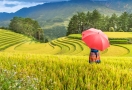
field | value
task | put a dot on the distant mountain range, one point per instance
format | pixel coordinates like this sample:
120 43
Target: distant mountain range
59 13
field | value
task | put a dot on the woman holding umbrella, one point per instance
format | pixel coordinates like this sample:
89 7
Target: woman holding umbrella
96 40
94 56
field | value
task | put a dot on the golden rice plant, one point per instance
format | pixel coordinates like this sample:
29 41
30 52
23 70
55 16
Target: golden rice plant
54 72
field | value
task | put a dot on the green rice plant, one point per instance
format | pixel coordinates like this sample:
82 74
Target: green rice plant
118 41
75 36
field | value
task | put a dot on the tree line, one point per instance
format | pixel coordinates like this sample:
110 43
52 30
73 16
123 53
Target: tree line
32 29
27 26
114 23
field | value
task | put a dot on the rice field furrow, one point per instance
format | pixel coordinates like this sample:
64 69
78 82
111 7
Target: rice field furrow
64 47
73 46
78 45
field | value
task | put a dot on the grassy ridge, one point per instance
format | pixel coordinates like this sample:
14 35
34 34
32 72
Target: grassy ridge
31 71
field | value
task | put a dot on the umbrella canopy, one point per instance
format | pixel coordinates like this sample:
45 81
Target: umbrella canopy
95 39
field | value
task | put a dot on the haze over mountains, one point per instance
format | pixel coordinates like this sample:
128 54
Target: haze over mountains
59 13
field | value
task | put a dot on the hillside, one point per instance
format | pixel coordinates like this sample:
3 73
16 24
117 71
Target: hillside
8 39
24 64
60 46
54 17
59 12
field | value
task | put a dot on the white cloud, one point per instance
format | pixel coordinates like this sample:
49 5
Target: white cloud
13 6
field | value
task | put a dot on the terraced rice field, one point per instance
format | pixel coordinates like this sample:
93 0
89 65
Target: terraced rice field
119 34
8 38
60 46
12 42
64 46
61 64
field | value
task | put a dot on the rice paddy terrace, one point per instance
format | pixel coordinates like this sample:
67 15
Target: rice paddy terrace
62 64
8 38
13 42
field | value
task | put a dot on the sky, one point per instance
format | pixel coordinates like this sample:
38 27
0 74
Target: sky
11 6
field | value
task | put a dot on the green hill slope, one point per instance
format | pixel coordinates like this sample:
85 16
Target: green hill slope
58 13
65 46
8 38
13 42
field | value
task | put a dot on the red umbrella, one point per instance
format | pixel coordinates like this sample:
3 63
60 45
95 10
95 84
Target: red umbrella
95 39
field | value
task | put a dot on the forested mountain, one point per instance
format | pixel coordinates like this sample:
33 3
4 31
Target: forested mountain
58 14
61 11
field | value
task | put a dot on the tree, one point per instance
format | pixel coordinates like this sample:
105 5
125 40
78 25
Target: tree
130 30
104 23
81 22
16 24
26 26
77 23
95 19
73 25
130 23
111 29
113 21
88 20
123 21
40 34
120 30
55 32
